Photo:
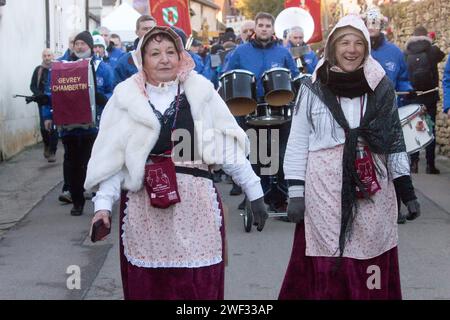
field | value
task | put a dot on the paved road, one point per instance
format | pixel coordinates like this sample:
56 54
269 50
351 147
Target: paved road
36 252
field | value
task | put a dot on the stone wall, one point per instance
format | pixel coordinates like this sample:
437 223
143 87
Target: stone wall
435 16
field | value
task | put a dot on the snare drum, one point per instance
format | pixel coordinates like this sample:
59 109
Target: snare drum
266 115
238 89
277 87
416 132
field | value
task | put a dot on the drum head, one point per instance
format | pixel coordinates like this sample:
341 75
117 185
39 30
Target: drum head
279 98
407 111
241 106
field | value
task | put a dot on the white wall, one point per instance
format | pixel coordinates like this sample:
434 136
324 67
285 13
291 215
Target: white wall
211 17
23 33
203 12
66 17
196 21
22 29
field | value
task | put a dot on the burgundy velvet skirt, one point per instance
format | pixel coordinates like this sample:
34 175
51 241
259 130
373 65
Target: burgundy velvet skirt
314 278
205 283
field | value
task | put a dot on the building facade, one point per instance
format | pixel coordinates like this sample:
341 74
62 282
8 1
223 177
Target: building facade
42 23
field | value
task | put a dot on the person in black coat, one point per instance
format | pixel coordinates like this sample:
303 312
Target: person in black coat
424 76
38 82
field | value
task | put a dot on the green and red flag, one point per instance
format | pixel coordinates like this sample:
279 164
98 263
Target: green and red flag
173 13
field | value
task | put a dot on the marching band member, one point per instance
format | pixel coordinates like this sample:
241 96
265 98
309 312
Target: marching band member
126 65
172 241
78 142
345 154
296 39
261 53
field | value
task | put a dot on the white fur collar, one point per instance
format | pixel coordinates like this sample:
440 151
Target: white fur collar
196 87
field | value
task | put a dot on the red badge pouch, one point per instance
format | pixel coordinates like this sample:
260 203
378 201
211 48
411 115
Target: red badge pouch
365 168
160 177
366 172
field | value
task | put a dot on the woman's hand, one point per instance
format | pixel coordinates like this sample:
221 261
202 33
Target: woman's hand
260 214
296 209
102 215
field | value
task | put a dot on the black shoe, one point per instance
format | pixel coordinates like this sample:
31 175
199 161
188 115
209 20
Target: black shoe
65 197
77 210
415 166
236 190
401 219
433 170
242 204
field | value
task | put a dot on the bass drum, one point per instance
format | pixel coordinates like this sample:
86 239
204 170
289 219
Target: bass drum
266 115
238 90
416 132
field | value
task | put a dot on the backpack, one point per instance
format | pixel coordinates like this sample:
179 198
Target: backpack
420 70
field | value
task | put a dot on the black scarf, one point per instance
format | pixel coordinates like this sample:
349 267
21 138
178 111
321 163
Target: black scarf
380 128
264 45
344 84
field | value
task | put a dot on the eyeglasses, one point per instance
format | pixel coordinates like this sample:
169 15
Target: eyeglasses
247 30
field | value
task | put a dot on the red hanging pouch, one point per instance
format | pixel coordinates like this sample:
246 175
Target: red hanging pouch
366 172
161 182
160 176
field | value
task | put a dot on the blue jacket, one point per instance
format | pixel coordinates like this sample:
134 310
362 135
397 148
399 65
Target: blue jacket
210 73
446 85
310 59
66 56
253 57
104 86
213 74
124 69
393 62
199 66
114 56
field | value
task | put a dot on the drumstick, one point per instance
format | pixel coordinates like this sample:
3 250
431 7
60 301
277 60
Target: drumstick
419 93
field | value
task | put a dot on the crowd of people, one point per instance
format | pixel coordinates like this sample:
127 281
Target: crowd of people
171 215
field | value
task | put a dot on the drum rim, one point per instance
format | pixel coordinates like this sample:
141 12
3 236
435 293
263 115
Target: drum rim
302 75
237 71
276 69
417 110
421 147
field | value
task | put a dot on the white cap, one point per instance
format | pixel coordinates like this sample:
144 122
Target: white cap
99 41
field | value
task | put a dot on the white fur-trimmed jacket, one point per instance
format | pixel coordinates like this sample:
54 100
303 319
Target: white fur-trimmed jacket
129 130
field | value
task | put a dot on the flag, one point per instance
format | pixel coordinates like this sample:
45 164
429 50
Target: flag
313 7
173 13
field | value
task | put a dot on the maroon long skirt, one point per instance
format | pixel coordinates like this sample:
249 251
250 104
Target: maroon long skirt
314 278
206 283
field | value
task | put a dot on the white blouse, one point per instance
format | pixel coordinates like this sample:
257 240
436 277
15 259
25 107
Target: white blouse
161 98
303 139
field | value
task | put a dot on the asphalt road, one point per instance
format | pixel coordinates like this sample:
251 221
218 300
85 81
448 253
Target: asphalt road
36 253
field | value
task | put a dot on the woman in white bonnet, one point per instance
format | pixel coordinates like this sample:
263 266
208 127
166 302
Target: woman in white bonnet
344 155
